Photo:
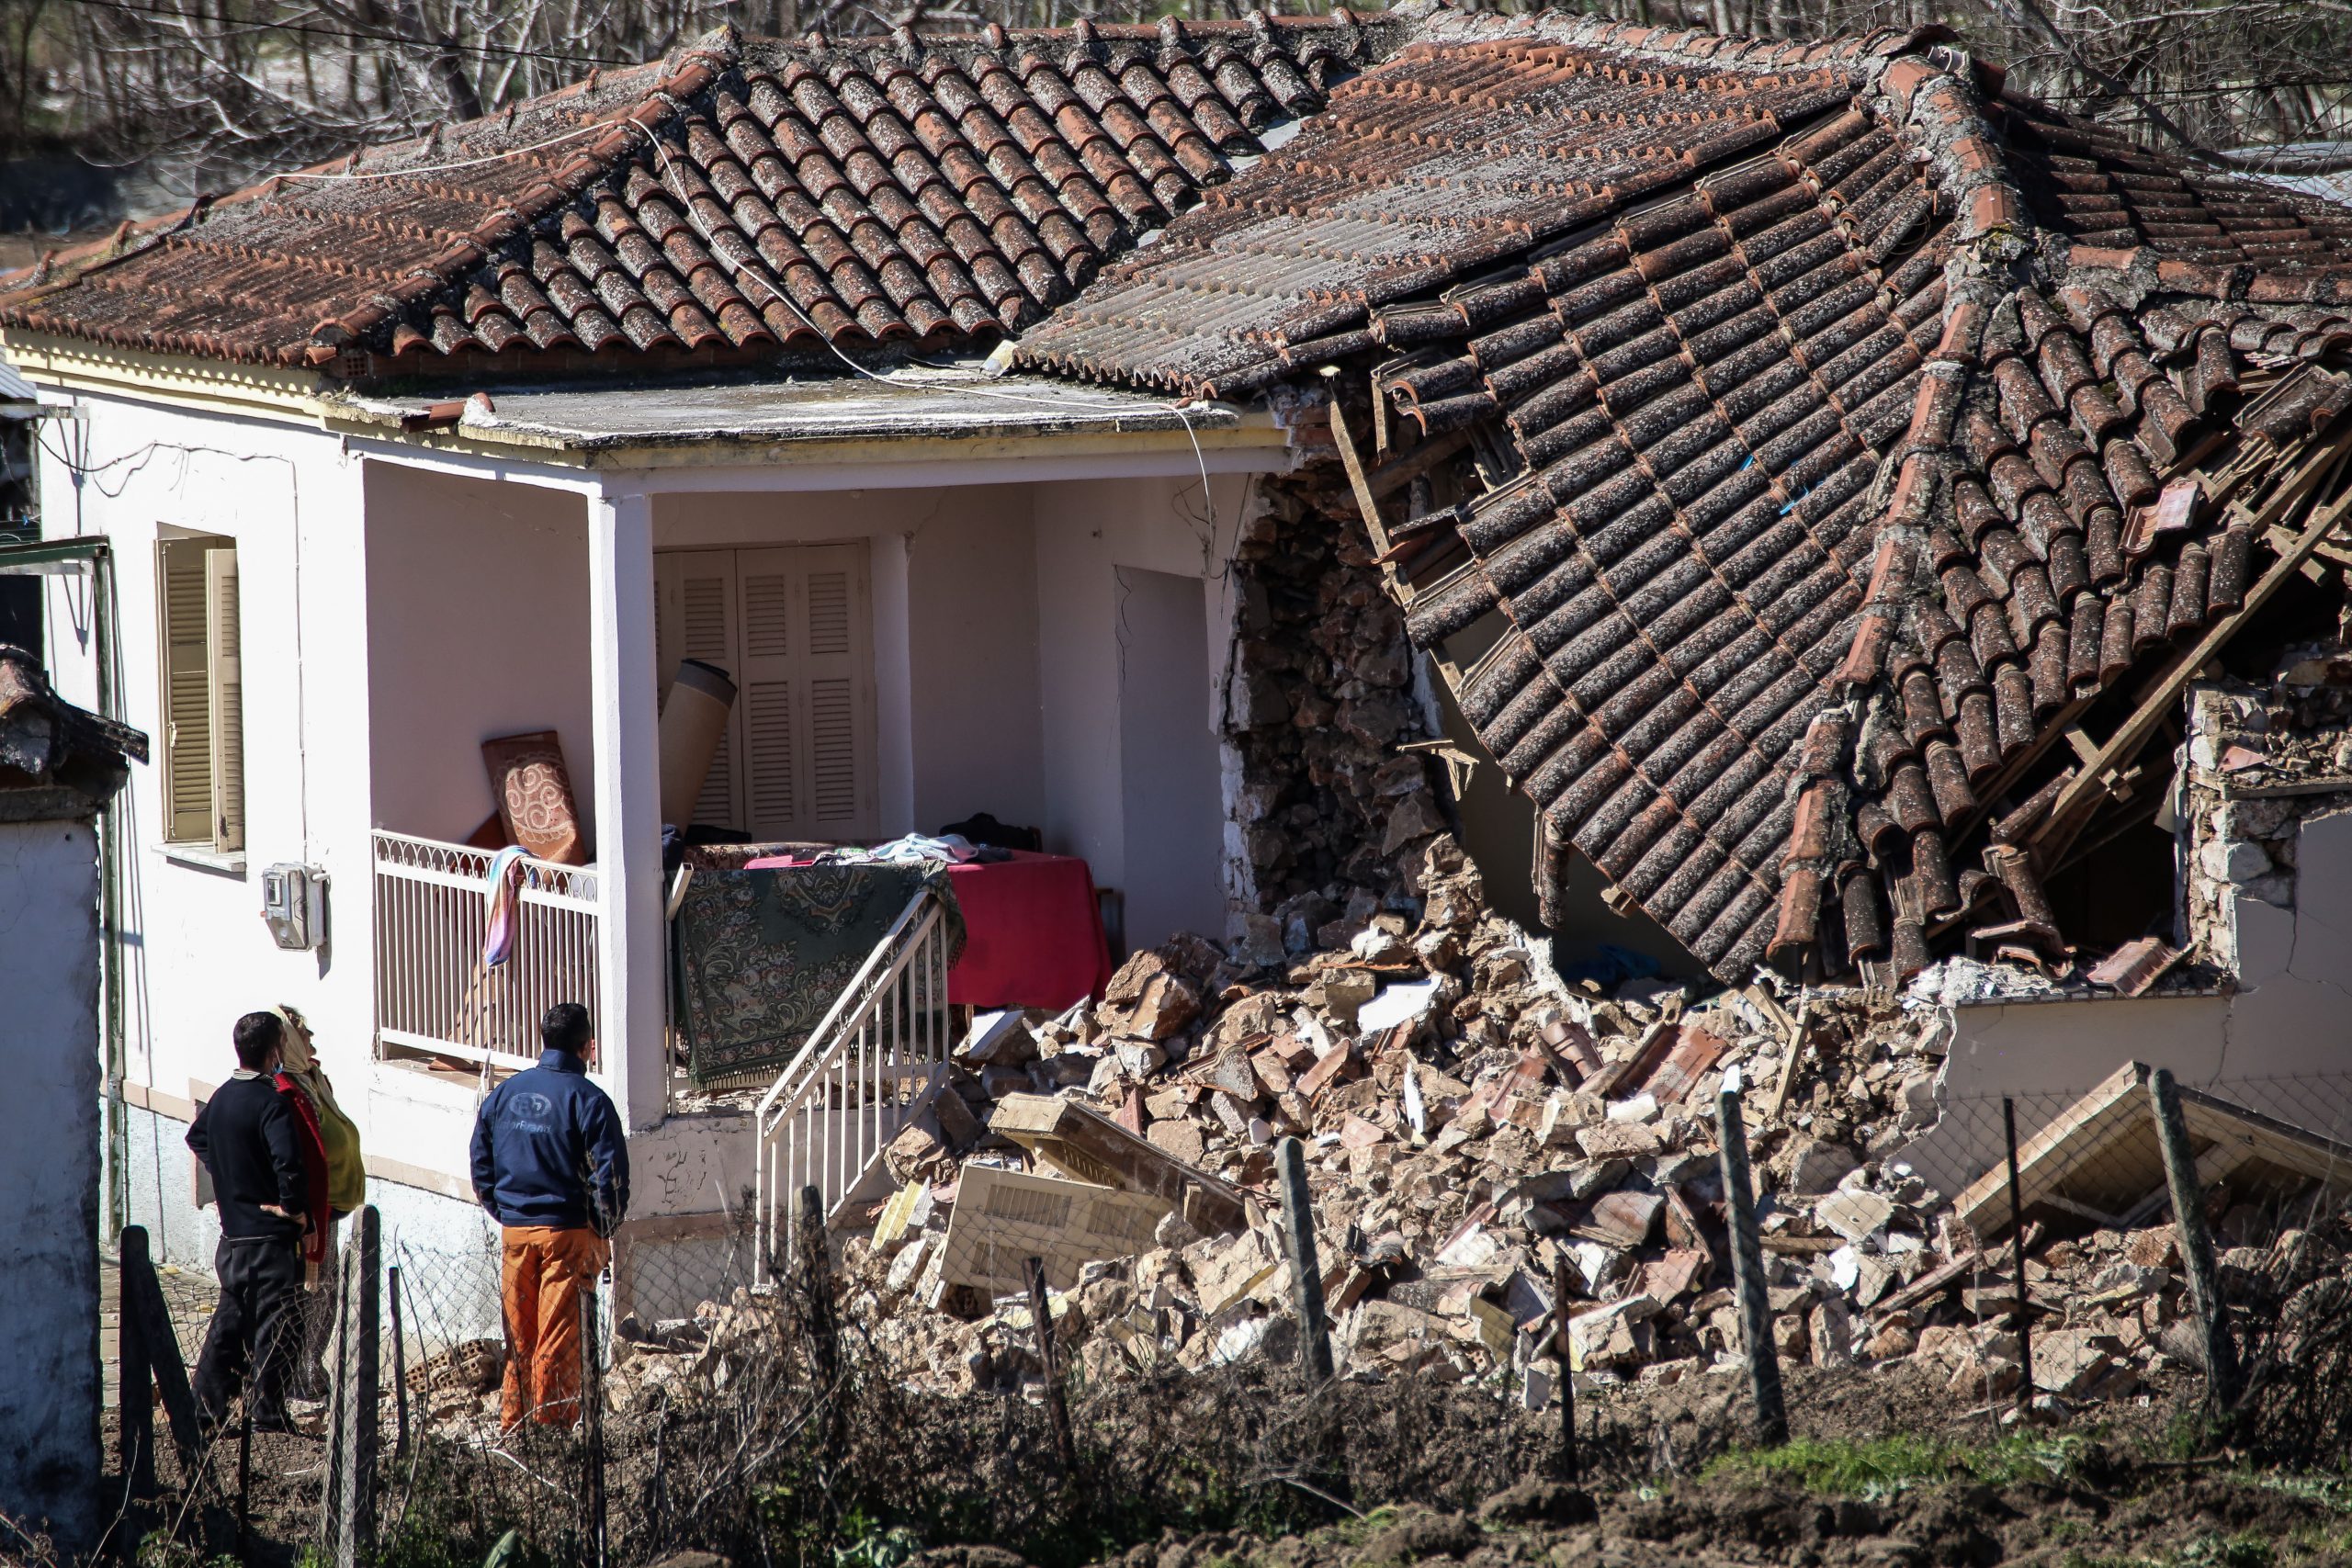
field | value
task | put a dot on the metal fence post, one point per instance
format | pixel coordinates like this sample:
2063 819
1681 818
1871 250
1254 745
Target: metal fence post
355 1534
2017 1257
1305 1269
1747 1273
2196 1242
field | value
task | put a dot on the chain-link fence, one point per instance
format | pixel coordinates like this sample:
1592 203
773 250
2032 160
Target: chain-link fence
2062 1259
823 1408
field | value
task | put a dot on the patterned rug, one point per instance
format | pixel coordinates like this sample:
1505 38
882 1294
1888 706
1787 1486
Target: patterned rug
762 955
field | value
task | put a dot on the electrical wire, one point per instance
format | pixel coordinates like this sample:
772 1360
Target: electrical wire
410 173
737 271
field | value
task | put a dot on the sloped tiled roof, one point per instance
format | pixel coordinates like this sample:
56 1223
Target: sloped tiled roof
1831 390
940 189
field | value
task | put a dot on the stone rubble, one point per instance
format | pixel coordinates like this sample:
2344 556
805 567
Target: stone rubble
1443 1085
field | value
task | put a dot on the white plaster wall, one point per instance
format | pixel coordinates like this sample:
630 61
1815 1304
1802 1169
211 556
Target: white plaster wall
50 1457
478 626
1171 809
452 609
1086 531
197 951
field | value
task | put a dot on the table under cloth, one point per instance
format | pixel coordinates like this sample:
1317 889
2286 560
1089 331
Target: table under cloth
1032 934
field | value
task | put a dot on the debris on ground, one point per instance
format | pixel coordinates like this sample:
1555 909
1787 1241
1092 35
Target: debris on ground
1476 1129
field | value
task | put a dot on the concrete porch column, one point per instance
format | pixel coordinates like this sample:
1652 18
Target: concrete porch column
628 809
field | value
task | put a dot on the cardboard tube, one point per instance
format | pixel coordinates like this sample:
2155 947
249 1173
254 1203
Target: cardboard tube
693 721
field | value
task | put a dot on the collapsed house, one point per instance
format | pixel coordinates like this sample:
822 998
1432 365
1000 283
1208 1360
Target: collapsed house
1799 488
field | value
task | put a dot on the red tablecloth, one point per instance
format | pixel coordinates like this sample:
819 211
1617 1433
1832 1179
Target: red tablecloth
1033 935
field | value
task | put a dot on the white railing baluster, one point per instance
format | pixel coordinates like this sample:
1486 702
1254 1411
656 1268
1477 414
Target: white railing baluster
832 1111
432 992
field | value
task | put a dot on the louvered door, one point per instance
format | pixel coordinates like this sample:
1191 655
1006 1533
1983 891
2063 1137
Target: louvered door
694 617
792 626
807 692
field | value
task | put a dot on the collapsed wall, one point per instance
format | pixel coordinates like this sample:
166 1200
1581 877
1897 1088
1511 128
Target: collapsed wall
2264 818
1321 694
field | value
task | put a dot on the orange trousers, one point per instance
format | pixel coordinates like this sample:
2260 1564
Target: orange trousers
544 1272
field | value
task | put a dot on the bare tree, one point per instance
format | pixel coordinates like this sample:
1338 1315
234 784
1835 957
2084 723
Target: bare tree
218 90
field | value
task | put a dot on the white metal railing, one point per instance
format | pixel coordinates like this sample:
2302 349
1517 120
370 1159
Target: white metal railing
433 991
870 1066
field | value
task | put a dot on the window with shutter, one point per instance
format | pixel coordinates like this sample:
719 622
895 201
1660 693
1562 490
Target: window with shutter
227 699
792 626
203 693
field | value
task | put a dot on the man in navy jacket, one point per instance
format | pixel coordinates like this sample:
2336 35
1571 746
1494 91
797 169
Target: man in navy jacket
550 1164
250 1145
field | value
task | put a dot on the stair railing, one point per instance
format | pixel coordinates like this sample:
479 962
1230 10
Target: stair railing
869 1069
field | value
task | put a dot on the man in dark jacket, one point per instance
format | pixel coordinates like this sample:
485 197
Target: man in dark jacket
551 1166
246 1137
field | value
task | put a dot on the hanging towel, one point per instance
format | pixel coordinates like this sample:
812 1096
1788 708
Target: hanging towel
506 903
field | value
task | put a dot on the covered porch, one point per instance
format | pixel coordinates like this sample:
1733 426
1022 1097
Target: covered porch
932 603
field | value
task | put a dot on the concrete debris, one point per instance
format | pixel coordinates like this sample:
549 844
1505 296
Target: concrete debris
1475 1130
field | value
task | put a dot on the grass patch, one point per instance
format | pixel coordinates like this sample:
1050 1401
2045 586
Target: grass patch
1839 1467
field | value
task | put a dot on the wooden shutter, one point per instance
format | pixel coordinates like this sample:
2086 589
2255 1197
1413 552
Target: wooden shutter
187 691
808 701
695 618
226 698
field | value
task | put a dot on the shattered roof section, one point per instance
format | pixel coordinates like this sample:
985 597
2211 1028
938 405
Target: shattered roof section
1483 138
939 189
1842 414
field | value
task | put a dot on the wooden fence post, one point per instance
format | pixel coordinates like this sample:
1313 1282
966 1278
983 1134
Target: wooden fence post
592 1423
1747 1273
1041 1310
2222 1378
359 1391
1567 1373
142 1297
2017 1259
1305 1268
399 1363
136 1392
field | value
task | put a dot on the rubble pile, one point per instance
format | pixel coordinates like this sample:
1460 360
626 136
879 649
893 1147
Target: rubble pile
1474 1129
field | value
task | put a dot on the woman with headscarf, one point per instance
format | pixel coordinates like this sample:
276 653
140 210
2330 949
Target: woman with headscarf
340 1185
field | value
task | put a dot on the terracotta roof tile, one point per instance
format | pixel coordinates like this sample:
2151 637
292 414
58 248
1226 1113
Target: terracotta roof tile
939 188
1744 670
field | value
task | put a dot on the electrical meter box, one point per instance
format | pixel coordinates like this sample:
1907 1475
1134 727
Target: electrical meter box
294 902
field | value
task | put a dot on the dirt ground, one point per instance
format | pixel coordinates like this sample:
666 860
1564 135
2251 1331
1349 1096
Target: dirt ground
1667 1483
1661 1494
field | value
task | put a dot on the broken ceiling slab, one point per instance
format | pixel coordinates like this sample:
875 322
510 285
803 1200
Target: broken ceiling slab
1089 1146
2098 1160
1003 1218
777 412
